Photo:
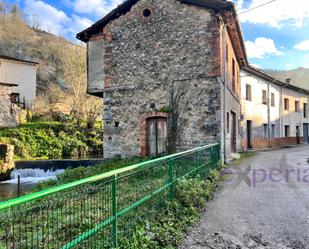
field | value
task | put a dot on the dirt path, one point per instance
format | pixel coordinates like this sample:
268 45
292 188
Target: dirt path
263 203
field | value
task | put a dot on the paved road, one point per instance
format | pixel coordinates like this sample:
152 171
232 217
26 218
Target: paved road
267 209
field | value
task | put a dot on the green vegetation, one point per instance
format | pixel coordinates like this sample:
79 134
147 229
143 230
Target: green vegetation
51 140
166 228
151 213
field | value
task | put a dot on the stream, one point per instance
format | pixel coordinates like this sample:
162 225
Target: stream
33 172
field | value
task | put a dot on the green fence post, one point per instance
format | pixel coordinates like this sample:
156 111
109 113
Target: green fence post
171 178
114 211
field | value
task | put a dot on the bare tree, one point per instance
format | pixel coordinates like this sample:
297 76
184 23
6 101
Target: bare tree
75 76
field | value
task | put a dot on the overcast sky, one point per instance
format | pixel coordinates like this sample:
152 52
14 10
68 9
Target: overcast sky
276 35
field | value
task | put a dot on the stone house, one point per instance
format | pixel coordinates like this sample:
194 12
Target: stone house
169 74
22 73
7 108
275 115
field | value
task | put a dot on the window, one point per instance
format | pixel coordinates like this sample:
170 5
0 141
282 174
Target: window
233 75
227 53
147 12
287 131
248 93
228 122
273 130
286 104
305 110
15 98
272 99
265 126
264 97
297 107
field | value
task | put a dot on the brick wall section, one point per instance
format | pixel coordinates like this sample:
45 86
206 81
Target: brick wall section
145 58
263 143
7 110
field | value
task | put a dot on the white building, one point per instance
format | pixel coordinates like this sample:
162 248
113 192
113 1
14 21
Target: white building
274 113
23 74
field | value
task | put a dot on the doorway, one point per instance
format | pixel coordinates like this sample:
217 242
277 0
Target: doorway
234 133
249 135
297 135
156 136
306 133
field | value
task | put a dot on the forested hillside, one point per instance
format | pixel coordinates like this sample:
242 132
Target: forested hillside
61 84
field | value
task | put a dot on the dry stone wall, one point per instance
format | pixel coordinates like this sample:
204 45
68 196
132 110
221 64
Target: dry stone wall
6 161
7 110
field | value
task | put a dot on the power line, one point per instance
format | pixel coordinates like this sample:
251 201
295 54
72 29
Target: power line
256 7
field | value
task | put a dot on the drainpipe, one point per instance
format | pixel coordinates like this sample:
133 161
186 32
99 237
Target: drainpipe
224 94
222 82
268 114
281 115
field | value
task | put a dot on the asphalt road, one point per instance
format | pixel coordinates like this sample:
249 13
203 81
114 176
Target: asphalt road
263 202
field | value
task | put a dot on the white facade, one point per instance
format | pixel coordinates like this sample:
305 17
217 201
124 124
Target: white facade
265 122
22 73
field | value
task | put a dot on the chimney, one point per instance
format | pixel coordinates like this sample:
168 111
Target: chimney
288 81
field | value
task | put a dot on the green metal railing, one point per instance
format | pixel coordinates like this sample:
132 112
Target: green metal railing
99 211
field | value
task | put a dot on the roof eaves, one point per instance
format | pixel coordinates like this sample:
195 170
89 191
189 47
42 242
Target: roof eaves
127 5
8 84
5 57
262 74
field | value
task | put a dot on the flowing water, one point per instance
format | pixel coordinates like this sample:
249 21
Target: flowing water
28 179
33 172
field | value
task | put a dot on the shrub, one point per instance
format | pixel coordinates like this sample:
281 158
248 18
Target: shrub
51 140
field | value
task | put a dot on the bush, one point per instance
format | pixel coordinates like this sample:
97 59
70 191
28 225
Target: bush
51 140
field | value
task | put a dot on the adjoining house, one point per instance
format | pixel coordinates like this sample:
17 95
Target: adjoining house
8 110
169 72
274 113
22 73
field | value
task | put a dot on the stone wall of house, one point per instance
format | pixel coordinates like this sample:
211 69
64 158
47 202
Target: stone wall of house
6 161
7 110
172 54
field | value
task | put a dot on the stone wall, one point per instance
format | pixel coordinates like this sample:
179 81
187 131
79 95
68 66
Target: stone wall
7 110
167 60
6 161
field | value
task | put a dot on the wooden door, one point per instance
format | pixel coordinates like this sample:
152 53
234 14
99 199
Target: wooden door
156 136
234 133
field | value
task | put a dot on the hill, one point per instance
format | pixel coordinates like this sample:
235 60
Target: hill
19 40
299 76
61 75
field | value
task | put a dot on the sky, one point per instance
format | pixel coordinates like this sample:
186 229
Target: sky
276 34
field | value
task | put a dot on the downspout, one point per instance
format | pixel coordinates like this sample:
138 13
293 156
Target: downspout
268 114
222 81
281 115
224 91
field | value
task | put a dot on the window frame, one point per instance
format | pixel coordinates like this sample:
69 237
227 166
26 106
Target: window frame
273 100
248 92
297 106
286 103
264 97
